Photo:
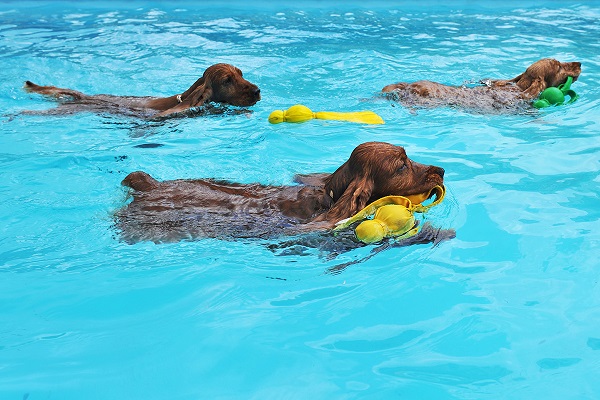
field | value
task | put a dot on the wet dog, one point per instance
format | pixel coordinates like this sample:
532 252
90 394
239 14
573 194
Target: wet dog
190 209
220 83
493 96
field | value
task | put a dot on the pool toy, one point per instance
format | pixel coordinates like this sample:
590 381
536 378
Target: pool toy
391 216
555 96
300 113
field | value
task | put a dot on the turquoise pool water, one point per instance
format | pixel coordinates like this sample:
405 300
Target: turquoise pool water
509 309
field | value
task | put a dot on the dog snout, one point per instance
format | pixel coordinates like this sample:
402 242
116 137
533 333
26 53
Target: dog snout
433 170
256 92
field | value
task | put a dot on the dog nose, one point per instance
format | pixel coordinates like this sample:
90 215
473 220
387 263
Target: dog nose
437 170
257 91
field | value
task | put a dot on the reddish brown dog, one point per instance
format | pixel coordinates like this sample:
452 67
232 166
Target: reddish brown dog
189 209
495 95
220 83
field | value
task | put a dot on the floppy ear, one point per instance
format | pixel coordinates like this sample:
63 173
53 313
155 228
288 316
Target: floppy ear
354 199
199 96
535 88
195 96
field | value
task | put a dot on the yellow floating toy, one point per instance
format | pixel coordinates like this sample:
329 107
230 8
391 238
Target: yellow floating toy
393 216
300 113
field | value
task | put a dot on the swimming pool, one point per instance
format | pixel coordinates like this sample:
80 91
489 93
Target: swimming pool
507 309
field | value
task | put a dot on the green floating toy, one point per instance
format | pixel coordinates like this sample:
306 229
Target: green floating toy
391 216
555 96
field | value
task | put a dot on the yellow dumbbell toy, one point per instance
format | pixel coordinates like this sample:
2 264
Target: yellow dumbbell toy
300 113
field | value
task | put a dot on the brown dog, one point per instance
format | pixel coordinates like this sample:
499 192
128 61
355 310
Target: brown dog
221 83
495 96
189 209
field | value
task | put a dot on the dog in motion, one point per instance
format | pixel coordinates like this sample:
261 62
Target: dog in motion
493 96
176 210
220 83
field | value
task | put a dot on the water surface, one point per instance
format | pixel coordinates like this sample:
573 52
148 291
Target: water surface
508 309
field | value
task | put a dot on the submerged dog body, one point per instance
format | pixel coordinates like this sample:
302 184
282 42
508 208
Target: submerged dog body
220 83
495 96
189 209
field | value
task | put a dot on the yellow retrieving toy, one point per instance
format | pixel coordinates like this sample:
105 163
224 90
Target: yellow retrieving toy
393 216
300 113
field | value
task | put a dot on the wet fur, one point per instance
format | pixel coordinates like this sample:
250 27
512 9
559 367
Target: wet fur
220 83
495 96
189 209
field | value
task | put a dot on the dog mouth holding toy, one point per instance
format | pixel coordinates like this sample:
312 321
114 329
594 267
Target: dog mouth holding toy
391 216
555 96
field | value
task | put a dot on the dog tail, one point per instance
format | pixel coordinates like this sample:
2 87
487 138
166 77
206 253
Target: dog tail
52 91
140 181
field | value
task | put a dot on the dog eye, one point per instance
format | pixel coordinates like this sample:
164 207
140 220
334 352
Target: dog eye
401 168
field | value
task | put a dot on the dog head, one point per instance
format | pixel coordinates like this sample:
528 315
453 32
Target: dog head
545 73
375 170
222 83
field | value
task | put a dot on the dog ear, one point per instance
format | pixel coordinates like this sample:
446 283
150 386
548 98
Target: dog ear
198 94
535 88
353 199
